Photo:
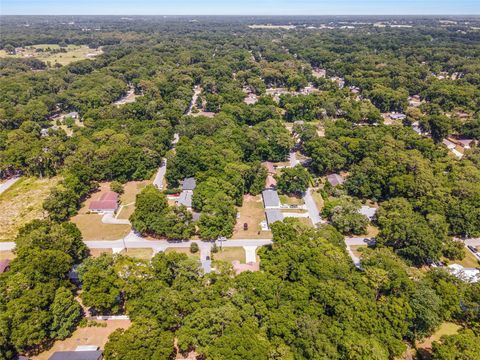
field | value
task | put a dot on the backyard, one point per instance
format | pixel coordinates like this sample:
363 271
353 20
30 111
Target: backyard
252 213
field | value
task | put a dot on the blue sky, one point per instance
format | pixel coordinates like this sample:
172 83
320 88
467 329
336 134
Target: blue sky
240 7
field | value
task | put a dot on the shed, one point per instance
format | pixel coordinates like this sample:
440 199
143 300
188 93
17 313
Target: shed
76 355
271 199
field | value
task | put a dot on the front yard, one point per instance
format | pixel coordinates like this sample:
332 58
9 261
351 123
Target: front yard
252 213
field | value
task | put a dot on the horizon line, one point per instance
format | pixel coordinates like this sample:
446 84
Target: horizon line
284 15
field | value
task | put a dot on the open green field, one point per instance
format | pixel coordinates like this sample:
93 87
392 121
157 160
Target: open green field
22 203
74 53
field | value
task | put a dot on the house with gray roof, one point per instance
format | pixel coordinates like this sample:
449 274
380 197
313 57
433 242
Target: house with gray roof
335 179
271 200
185 198
273 215
76 355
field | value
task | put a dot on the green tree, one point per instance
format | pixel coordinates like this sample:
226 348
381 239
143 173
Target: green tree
293 181
66 313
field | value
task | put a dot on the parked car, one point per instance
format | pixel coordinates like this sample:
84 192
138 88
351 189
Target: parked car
474 250
245 226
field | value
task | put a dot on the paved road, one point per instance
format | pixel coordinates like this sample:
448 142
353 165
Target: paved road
7 184
313 211
357 241
472 241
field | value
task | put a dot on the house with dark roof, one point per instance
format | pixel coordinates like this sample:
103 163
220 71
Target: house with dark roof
77 355
108 203
335 179
271 200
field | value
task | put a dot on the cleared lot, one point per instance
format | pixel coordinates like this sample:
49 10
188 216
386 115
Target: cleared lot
86 336
22 203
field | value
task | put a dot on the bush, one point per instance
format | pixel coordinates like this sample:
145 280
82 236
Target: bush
117 187
194 248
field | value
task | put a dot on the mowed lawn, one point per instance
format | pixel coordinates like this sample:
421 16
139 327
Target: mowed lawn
131 189
85 336
22 203
447 328
252 213
230 254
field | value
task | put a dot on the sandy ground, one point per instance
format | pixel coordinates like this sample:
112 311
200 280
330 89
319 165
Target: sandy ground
86 336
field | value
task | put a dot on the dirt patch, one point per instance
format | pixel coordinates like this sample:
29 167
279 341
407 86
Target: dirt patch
99 252
22 203
86 336
252 213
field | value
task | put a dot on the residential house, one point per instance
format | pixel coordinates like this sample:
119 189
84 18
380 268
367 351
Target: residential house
185 198
4 265
108 203
271 200
368 211
335 179
73 115
466 274
273 215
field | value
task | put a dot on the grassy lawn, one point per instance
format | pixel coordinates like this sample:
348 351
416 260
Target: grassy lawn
183 250
131 189
357 250
469 261
291 200
318 200
144 254
447 328
372 231
230 254
252 213
305 221
92 228
22 203
74 53
85 336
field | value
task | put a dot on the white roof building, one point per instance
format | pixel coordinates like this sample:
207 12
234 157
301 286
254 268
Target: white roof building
466 274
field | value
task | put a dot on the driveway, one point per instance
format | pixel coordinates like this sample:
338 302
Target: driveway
7 184
313 211
158 181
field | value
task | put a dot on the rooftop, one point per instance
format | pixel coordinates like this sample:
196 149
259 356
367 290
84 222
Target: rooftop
270 198
4 265
107 202
273 215
76 355
185 198
335 179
